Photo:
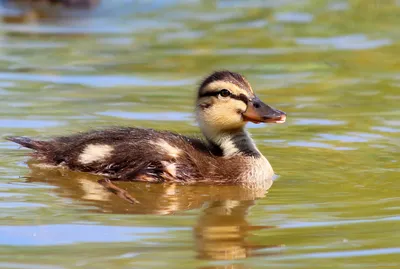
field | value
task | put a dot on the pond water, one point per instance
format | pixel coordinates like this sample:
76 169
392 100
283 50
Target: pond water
331 65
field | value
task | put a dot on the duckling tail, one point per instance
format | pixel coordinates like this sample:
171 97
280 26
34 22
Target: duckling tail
28 142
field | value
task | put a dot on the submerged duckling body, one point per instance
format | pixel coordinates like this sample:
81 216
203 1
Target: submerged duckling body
225 103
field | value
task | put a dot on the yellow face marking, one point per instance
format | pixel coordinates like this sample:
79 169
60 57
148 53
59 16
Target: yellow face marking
216 113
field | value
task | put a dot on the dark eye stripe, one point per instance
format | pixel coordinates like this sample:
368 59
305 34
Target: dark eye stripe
240 97
209 94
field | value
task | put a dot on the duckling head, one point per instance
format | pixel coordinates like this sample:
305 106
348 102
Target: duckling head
226 102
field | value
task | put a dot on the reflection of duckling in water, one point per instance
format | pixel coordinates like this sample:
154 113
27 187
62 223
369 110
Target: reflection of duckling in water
221 231
225 103
158 199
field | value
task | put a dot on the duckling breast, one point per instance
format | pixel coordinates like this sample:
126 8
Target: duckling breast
258 170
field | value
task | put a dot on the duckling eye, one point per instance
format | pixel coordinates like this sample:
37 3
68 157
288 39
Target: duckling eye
224 93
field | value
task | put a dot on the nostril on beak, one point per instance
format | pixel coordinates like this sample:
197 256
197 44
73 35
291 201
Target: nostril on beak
256 105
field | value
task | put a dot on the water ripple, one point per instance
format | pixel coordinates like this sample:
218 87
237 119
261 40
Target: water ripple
61 234
168 116
342 254
351 137
16 123
385 129
336 223
13 265
348 42
318 122
20 205
308 144
94 80
294 17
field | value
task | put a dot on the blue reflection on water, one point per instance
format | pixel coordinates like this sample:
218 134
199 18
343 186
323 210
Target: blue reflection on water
61 234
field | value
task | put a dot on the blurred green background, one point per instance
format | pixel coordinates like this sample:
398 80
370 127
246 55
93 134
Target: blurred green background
333 66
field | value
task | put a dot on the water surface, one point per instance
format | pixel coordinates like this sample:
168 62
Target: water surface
331 65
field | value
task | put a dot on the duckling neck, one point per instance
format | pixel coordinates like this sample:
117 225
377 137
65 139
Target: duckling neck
233 143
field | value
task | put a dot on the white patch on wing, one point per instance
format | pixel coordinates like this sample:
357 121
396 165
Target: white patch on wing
170 150
93 190
94 153
170 168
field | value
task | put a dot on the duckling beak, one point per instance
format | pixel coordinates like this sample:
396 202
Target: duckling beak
258 112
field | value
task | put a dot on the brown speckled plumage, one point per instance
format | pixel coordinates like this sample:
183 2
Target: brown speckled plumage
135 157
227 155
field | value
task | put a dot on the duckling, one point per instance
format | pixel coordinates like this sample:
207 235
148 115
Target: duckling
227 154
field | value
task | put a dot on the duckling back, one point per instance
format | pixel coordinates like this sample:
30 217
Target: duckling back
128 154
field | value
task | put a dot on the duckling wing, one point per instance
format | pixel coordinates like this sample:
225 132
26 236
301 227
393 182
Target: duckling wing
122 153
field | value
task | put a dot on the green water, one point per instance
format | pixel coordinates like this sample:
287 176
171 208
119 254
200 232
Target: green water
333 66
